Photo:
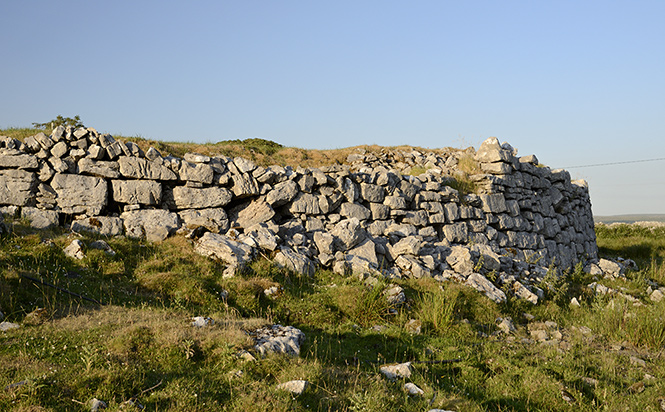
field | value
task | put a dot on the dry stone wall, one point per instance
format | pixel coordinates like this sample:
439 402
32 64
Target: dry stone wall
370 216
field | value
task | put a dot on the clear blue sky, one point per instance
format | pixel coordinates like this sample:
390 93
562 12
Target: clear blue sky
574 82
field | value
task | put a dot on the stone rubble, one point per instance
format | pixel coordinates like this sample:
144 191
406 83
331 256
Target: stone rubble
371 215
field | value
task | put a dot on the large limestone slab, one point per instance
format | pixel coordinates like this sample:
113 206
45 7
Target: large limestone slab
214 219
196 172
19 161
282 193
17 187
99 168
201 198
483 285
140 168
153 224
294 261
101 225
221 247
40 219
134 192
249 214
80 194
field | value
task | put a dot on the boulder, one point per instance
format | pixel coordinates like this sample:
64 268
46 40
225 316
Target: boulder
17 187
282 193
297 262
19 161
133 192
278 339
460 260
213 219
196 172
75 250
201 198
40 219
305 203
80 194
348 233
483 285
354 210
251 213
140 168
244 185
101 225
229 251
153 224
100 168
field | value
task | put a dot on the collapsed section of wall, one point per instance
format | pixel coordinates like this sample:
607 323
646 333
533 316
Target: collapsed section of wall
363 217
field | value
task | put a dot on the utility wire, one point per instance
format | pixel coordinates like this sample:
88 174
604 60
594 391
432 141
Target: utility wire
616 163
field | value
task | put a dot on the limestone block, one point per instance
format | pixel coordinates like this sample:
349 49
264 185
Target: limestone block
60 149
354 210
223 248
417 218
101 225
155 224
460 260
200 198
305 203
133 192
490 151
493 203
297 262
379 211
140 168
244 185
89 166
195 158
19 161
483 285
40 219
214 219
456 232
410 245
282 193
395 202
80 194
372 193
196 172
250 213
348 233
324 242
17 187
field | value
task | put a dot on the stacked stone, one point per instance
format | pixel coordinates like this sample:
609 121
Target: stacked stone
367 217
538 212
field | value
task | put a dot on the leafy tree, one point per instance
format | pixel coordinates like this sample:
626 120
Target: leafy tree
60 121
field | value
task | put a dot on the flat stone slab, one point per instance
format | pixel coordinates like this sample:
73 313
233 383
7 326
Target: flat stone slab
278 339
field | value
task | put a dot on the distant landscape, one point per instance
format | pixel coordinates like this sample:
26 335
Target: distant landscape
630 218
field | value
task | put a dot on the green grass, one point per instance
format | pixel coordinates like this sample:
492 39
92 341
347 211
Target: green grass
141 337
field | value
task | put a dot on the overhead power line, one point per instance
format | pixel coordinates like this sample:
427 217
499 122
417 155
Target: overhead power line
617 163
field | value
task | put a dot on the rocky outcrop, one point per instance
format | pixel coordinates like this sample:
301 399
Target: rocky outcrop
371 215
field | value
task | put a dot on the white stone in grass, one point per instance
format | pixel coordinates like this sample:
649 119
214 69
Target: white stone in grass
75 250
5 326
413 389
400 370
201 321
296 387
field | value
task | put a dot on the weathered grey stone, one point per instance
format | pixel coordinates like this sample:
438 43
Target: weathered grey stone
140 168
145 192
80 194
401 370
134 149
229 251
75 250
417 218
493 203
348 234
490 151
17 187
44 141
96 152
460 260
263 235
201 198
379 211
244 165
282 193
278 339
101 225
214 219
483 285
410 245
60 149
456 232
395 202
196 158
244 185
412 389
196 172
115 149
19 161
153 224
296 387
354 210
362 257
297 262
522 292
153 155
324 242
249 214
99 168
40 219
372 193
305 203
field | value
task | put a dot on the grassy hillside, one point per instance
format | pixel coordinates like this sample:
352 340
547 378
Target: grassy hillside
138 344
